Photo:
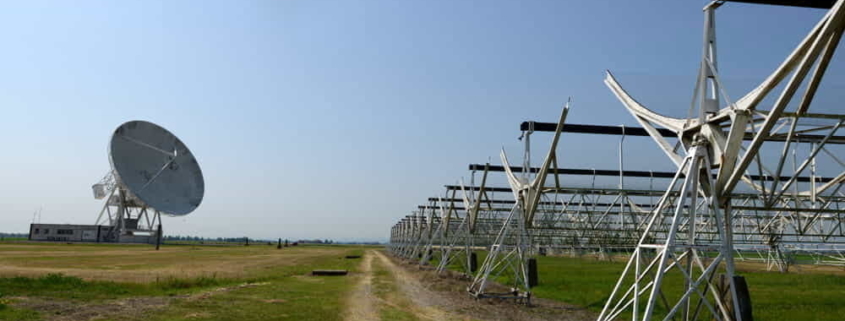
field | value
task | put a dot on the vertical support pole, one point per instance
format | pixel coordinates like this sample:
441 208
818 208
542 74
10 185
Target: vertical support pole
743 298
622 179
158 236
533 276
526 165
708 87
121 209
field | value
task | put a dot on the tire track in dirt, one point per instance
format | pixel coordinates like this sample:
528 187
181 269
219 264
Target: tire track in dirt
433 296
361 305
425 303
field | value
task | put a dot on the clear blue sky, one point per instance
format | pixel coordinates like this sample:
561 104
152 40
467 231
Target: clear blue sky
332 119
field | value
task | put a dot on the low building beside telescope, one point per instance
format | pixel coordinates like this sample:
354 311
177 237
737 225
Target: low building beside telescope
83 233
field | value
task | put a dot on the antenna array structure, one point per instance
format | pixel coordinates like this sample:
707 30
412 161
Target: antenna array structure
748 178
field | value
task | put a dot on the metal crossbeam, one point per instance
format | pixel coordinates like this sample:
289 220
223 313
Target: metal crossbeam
640 131
630 173
818 4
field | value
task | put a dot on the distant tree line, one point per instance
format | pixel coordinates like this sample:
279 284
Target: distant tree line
316 241
361 243
204 239
188 238
4 236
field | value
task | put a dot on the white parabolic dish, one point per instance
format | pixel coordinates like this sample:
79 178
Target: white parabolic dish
156 167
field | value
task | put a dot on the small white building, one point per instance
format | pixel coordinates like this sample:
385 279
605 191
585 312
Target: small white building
83 233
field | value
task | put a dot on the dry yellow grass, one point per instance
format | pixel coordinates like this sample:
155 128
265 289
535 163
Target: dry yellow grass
139 263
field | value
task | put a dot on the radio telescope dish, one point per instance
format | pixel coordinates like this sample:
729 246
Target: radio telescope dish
156 168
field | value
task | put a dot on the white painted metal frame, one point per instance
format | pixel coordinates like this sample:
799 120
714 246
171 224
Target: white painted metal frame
512 248
706 143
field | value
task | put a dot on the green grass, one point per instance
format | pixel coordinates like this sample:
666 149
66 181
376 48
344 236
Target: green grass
67 287
588 282
274 292
583 282
59 286
288 295
10 313
778 296
775 296
286 292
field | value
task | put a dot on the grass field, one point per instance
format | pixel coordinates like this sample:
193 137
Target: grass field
807 293
57 282
128 282
775 296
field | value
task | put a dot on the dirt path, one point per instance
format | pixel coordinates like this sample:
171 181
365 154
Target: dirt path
426 304
362 304
387 291
391 289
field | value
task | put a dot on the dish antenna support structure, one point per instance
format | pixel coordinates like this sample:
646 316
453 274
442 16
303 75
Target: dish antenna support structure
465 232
709 150
509 253
152 173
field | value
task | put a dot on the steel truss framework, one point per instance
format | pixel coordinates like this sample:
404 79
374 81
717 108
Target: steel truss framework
730 195
714 143
124 213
